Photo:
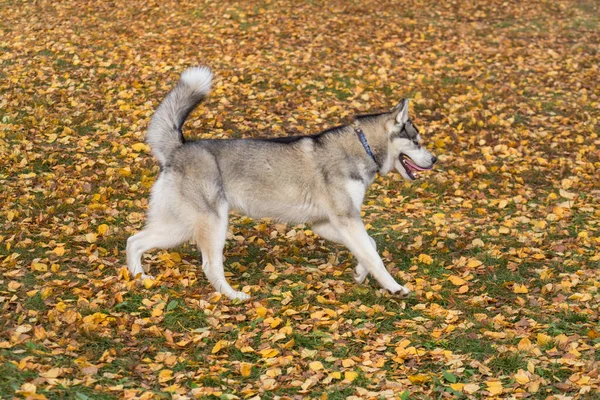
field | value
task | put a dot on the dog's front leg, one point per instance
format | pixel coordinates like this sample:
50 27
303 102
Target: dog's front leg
360 272
329 232
358 241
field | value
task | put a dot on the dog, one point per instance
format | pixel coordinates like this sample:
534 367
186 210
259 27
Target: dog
319 179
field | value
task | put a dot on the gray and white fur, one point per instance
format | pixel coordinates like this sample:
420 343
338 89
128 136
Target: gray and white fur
319 179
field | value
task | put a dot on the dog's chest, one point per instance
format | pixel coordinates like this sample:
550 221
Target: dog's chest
356 191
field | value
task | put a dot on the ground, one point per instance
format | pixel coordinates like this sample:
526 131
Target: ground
499 243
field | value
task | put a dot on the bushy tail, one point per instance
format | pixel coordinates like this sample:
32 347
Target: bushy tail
164 134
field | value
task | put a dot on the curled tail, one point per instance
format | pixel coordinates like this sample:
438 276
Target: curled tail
164 134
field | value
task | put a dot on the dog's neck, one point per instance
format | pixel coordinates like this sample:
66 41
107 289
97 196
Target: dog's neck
363 140
378 148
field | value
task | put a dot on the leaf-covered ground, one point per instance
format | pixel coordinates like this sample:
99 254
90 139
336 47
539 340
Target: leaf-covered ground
500 243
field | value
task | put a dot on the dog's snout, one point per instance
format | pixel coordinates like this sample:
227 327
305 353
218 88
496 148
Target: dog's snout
433 159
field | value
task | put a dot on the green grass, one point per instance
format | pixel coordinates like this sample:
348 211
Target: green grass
182 318
13 378
507 363
470 343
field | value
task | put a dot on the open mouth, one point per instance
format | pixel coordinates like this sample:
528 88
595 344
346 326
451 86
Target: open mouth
411 167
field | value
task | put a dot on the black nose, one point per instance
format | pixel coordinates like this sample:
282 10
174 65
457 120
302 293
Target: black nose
433 159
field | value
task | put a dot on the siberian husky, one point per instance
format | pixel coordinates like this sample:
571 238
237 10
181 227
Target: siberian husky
319 179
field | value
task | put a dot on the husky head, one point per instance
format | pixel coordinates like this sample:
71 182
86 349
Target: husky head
405 152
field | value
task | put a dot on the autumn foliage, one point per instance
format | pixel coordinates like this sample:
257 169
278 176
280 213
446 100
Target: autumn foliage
500 243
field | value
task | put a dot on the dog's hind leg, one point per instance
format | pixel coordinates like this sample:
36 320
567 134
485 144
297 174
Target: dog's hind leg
328 231
210 234
153 237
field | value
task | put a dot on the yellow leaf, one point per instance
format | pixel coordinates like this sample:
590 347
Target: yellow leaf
439 218
52 373
457 386
504 230
165 375
470 388
102 229
494 387
463 289
219 345
315 366
148 283
336 375
543 339
502 204
349 376
40 267
348 362
473 263
158 310
91 237
520 288
27 388
135 329
61 307
425 259
477 243
261 311
522 377
310 382
495 335
59 251
419 378
46 292
125 172
269 353
584 380
245 369
524 344
457 281
139 147
567 195
215 297
273 322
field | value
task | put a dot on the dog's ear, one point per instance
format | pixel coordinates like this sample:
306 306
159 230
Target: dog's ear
400 112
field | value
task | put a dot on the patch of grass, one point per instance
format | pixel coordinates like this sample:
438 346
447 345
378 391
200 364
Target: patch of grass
568 323
78 393
471 344
337 393
36 303
96 345
507 363
311 341
132 304
183 318
554 372
13 378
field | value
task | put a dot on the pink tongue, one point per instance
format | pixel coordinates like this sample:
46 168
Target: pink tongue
414 166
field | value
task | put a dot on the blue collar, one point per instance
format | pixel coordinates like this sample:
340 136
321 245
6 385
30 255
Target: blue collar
363 140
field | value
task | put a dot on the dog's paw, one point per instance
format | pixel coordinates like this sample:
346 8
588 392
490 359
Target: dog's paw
360 274
146 276
239 297
401 291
